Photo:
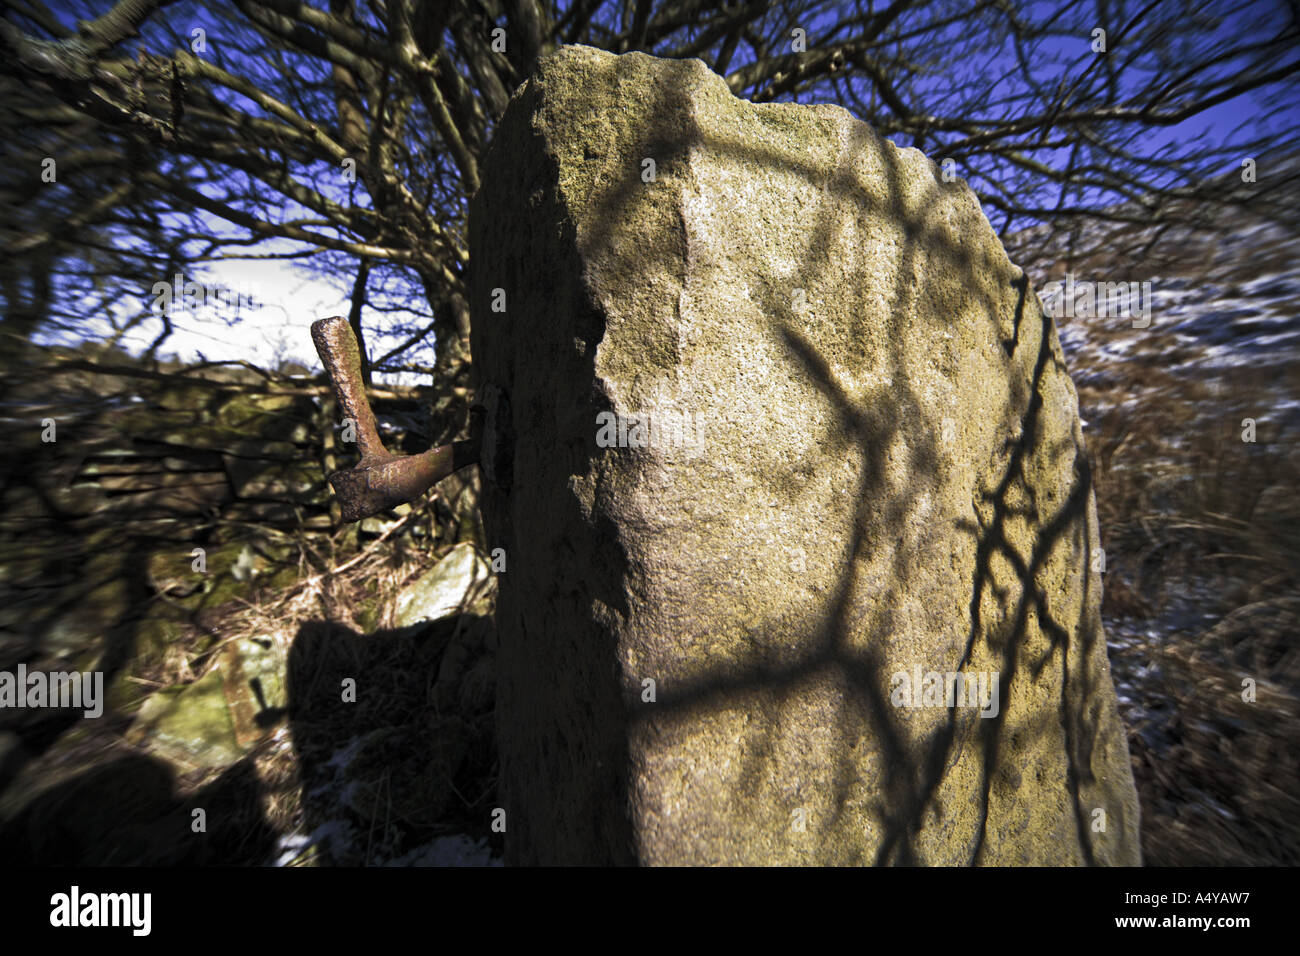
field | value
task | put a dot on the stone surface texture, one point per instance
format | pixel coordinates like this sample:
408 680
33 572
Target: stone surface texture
890 478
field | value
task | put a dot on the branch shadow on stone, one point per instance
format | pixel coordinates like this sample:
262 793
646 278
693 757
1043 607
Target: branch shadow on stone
831 646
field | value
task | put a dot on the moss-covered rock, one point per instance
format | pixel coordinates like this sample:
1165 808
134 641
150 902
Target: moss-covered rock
232 570
190 725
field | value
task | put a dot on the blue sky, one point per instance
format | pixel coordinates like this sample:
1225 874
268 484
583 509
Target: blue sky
290 300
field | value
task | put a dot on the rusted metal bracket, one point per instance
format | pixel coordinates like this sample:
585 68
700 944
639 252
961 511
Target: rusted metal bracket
380 480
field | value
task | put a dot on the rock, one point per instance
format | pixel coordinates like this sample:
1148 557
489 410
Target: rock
186 498
450 587
162 627
216 719
256 690
275 479
466 681
191 725
93 615
863 465
376 526
272 417
231 570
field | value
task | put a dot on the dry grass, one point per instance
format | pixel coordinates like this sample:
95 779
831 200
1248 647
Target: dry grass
1202 597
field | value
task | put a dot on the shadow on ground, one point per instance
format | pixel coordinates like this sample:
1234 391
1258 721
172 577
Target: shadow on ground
394 734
